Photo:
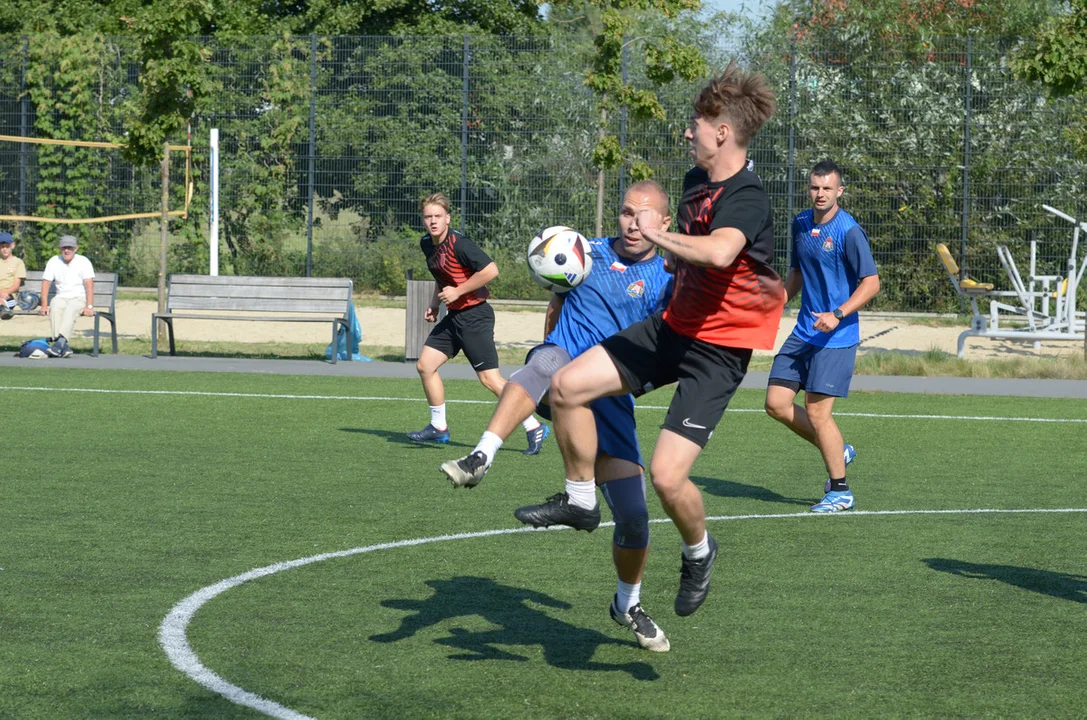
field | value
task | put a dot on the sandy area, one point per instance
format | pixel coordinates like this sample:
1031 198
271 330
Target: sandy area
514 327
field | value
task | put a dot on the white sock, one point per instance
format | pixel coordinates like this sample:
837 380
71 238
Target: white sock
582 494
530 423
11 306
628 595
699 550
437 417
489 445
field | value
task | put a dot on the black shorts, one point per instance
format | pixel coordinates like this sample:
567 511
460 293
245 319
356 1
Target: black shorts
470 330
650 354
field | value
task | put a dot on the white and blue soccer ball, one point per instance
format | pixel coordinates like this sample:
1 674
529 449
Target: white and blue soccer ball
559 259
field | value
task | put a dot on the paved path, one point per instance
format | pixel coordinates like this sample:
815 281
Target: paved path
517 326
756 380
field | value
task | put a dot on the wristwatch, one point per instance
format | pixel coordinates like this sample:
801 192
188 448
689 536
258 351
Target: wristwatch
838 314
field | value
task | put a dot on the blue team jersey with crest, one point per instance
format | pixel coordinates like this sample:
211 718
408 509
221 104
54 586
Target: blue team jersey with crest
832 258
616 294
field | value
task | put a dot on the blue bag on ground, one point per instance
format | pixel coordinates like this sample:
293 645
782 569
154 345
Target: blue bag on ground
27 349
348 348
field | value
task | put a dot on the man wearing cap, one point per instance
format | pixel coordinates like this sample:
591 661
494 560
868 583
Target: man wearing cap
12 274
74 277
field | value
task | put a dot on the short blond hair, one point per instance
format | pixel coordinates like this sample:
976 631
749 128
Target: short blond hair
744 98
437 198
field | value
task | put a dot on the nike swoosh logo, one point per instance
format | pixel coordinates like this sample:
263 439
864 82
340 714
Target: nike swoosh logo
687 423
478 364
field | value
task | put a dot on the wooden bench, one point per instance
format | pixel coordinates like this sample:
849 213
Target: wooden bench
228 297
105 292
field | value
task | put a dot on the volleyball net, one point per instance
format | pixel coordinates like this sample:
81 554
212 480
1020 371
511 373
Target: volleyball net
81 182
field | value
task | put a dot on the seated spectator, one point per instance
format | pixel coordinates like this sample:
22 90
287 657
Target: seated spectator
74 277
12 274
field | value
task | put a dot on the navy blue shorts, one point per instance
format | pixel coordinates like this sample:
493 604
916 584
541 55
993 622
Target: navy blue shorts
801 365
616 433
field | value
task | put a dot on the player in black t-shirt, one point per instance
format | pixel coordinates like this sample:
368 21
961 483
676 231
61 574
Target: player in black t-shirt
727 302
461 272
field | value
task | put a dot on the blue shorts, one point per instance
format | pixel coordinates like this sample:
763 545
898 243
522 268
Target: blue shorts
827 371
616 433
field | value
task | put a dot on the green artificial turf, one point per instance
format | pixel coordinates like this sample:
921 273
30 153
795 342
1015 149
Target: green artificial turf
116 506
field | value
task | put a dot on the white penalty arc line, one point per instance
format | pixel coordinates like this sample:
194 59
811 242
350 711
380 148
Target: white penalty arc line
373 398
175 643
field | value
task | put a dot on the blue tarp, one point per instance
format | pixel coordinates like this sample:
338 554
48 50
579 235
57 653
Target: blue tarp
348 349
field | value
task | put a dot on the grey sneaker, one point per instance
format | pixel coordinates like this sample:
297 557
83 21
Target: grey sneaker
558 510
6 313
694 581
647 632
467 471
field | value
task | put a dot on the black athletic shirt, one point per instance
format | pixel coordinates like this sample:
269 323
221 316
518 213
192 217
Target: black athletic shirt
739 306
452 262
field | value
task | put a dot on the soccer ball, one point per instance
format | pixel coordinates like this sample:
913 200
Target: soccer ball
559 259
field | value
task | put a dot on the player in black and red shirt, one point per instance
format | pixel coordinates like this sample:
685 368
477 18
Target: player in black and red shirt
727 301
461 272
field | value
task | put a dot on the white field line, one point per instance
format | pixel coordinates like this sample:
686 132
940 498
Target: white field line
175 643
358 398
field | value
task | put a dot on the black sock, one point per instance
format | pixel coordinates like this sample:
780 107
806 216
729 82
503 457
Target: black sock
838 485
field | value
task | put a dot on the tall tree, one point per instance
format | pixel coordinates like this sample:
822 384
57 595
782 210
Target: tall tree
646 25
913 21
1058 60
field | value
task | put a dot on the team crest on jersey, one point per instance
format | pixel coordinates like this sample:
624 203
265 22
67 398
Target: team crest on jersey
636 289
618 267
828 244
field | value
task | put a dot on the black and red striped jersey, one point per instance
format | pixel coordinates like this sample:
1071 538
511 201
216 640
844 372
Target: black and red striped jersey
453 261
739 306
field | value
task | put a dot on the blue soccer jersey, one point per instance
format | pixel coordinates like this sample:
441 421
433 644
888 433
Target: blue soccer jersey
616 294
832 258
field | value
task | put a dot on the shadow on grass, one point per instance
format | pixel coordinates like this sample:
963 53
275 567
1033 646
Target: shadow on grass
730 489
401 438
564 645
1060 585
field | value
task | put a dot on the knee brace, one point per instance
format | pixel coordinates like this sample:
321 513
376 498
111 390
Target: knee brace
542 362
626 498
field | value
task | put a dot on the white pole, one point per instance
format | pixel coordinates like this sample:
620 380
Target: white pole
214 239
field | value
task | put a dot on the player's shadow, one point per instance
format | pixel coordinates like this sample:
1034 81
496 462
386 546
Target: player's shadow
401 438
1060 585
564 645
730 489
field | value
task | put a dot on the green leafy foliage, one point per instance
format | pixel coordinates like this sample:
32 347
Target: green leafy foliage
646 24
910 23
173 77
1058 59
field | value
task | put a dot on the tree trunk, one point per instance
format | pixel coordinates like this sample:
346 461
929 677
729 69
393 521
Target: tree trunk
600 182
165 231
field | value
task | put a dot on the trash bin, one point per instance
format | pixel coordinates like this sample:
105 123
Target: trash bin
416 328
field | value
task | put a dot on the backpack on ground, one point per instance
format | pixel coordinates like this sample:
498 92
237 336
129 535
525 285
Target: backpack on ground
34 349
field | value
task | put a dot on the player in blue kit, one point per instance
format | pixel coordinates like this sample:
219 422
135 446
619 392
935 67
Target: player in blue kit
628 283
833 265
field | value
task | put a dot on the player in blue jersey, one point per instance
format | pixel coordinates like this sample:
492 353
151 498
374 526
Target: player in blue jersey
628 283
833 265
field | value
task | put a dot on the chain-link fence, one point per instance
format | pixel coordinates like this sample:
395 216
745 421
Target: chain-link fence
327 144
